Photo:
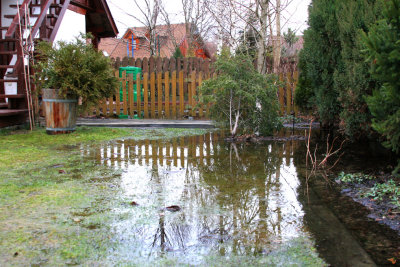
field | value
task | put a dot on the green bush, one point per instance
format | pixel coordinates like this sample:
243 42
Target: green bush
75 68
242 98
334 76
318 61
383 53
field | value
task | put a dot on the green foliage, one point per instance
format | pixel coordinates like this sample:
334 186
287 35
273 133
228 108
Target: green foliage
388 190
249 38
75 68
354 178
352 79
333 75
383 52
239 89
177 53
290 37
318 60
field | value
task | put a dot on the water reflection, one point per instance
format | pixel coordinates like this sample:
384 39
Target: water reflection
237 199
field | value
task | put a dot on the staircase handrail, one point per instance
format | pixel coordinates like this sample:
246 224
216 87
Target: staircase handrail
17 19
39 20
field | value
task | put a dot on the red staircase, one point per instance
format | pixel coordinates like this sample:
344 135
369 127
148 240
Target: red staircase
36 20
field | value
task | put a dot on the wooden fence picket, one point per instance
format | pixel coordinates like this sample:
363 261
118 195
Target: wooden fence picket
201 115
166 94
174 94
146 95
153 94
193 94
138 94
159 95
181 96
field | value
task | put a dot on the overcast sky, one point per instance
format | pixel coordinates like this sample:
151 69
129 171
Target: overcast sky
294 16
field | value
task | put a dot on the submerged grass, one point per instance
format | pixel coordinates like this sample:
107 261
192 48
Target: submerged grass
51 211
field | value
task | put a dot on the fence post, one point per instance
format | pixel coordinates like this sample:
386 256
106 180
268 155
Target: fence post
181 97
124 98
159 95
201 104
138 94
117 99
166 86
146 95
153 94
295 81
174 94
193 93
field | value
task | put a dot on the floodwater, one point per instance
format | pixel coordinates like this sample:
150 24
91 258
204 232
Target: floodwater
237 204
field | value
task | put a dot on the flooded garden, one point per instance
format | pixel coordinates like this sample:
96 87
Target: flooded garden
180 197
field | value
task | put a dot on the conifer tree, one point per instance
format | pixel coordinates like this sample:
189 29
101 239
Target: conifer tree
383 52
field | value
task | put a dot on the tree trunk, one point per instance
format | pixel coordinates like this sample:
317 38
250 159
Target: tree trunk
263 6
278 45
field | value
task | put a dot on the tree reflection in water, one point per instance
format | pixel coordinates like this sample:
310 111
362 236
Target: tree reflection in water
236 199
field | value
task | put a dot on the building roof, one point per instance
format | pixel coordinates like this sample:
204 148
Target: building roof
99 19
171 36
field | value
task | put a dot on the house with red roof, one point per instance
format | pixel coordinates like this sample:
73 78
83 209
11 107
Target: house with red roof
135 43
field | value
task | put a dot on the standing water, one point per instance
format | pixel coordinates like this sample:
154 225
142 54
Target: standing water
203 201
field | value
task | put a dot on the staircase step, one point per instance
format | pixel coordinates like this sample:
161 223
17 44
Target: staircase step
38 5
12 96
13 16
7 66
56 5
3 28
9 80
3 105
52 16
11 112
8 40
8 52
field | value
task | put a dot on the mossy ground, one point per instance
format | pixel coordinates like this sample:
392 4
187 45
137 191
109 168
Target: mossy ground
51 211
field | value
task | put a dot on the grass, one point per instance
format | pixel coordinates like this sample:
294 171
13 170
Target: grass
51 211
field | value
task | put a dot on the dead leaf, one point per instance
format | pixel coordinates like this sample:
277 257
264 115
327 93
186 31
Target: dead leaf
77 220
15 254
61 171
173 208
133 203
392 260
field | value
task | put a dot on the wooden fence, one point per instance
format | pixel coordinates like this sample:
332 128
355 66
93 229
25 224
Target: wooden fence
158 64
172 95
156 95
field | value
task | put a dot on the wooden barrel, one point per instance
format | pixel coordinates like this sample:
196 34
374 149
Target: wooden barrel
60 112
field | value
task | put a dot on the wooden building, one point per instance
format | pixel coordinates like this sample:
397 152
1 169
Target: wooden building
23 22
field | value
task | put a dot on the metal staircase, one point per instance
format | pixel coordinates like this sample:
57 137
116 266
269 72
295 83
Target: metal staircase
30 21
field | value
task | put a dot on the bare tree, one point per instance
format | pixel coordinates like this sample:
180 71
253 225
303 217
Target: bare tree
198 21
148 16
277 43
262 17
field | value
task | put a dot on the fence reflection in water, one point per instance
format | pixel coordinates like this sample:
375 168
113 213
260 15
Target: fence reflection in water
234 198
